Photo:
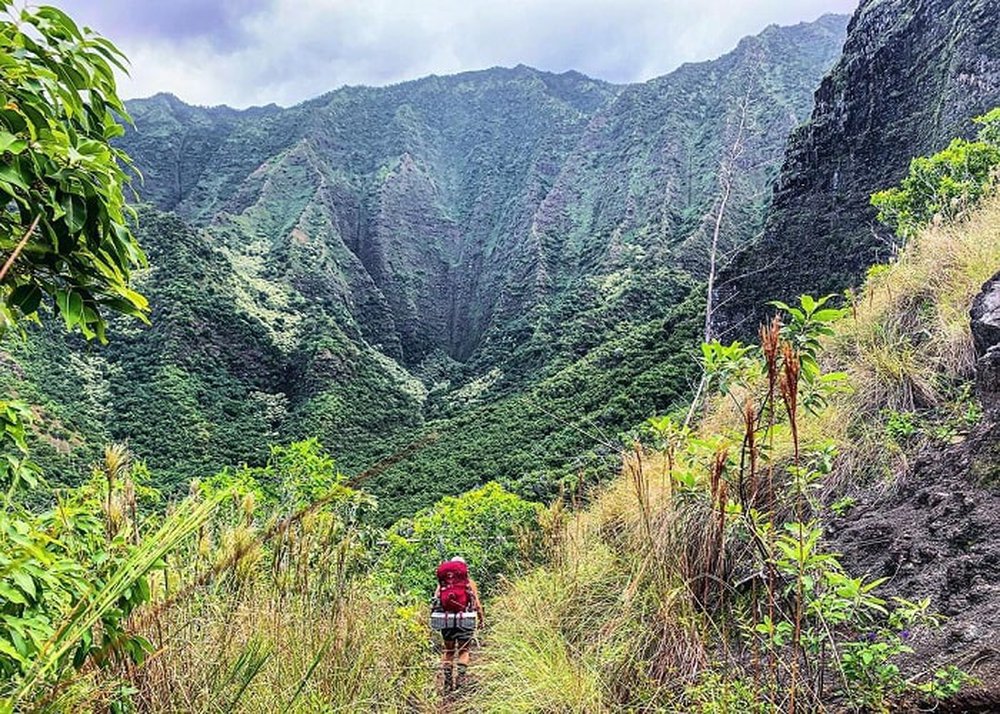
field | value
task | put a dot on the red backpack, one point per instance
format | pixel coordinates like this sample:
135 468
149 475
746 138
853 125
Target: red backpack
456 592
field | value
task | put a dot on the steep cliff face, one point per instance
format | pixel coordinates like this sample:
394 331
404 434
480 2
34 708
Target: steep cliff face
658 146
414 188
912 74
177 141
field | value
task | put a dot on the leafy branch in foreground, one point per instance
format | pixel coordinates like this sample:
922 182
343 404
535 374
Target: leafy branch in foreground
64 232
77 629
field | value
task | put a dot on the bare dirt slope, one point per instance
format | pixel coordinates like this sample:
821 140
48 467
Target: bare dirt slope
935 535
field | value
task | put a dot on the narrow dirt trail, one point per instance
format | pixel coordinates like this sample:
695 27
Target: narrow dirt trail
461 701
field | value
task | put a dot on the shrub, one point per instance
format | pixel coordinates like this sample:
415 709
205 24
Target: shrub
944 184
490 527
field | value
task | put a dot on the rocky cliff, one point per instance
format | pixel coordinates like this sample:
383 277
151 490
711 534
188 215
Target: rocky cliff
439 213
912 75
986 339
931 535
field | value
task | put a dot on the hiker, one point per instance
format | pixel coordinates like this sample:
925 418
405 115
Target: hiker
456 599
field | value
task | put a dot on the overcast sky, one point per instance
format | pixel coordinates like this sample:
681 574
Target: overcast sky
243 52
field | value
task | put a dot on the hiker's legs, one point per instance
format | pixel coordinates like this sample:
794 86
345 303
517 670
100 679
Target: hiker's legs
448 653
447 660
464 654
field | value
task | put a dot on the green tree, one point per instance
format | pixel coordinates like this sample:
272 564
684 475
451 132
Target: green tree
489 527
70 577
64 233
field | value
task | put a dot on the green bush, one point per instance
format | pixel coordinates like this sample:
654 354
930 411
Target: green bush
945 183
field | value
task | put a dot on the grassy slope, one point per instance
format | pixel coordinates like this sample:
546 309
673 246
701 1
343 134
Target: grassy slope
596 630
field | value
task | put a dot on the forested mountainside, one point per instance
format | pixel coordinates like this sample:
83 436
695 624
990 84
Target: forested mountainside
912 75
509 258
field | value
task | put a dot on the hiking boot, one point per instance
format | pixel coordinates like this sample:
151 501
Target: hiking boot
449 682
460 680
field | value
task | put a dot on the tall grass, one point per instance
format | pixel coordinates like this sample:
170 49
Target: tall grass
608 624
282 613
907 347
910 335
642 604
88 613
251 601
254 649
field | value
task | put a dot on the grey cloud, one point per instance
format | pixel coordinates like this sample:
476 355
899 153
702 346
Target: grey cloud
218 21
244 52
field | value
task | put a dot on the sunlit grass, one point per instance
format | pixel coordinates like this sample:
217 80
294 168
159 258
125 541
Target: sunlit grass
258 651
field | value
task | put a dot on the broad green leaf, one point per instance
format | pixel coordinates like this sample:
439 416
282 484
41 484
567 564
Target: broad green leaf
11 174
60 19
10 142
12 594
828 315
25 582
70 304
7 648
76 212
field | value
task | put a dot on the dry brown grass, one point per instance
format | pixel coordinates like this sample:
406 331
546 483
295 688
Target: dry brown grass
912 322
611 622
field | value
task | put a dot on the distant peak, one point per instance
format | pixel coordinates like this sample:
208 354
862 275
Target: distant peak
564 80
175 102
164 96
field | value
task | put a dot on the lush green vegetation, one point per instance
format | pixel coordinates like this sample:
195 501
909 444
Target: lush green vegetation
63 223
263 577
945 185
679 590
701 580
493 530
470 256
604 366
704 580
288 582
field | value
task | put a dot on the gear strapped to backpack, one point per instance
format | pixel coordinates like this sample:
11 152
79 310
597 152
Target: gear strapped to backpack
456 600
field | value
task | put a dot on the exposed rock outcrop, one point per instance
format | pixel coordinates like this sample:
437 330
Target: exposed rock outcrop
934 536
912 75
986 337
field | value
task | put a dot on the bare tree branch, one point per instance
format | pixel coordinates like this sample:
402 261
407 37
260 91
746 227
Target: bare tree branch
20 246
727 177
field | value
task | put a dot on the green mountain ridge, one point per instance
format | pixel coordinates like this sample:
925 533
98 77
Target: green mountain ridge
510 258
